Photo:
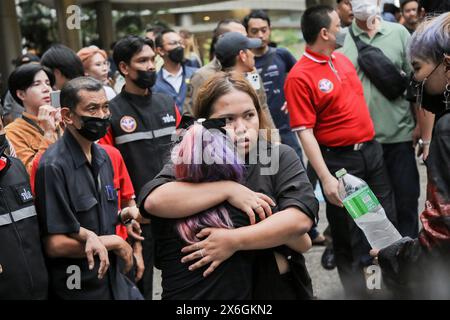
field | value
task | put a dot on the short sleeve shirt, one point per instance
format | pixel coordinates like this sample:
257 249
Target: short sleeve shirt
324 94
393 119
71 193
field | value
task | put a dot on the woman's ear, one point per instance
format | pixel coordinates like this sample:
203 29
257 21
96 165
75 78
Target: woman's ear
21 94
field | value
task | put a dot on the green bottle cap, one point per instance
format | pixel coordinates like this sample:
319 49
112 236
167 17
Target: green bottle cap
341 173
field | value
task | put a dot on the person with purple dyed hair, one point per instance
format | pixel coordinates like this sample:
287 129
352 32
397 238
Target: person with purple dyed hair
275 190
419 268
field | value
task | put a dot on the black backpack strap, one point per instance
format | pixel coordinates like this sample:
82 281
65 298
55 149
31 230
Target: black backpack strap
358 42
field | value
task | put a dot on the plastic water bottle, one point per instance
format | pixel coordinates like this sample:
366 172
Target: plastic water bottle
365 209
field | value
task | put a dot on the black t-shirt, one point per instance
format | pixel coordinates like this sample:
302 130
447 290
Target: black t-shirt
230 281
279 174
71 193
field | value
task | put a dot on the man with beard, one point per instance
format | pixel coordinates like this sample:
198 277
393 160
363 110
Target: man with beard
174 76
411 12
141 127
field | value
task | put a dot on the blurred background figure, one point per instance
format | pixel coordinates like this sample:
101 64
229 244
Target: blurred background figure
64 63
192 57
412 13
11 108
96 65
344 10
391 12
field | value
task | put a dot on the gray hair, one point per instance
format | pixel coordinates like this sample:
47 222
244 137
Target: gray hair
69 93
431 39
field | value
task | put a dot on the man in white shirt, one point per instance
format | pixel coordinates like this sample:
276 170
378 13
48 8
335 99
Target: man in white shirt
174 76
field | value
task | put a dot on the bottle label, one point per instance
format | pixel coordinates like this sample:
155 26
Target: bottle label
361 202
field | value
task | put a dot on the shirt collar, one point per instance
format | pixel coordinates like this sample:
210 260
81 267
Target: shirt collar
78 156
167 74
317 57
138 98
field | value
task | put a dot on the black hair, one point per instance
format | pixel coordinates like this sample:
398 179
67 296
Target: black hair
404 2
391 8
127 47
159 37
23 77
69 96
218 31
315 19
228 63
25 58
435 6
256 14
64 59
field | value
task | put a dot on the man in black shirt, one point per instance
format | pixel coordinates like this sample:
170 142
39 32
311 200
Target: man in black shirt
77 203
142 125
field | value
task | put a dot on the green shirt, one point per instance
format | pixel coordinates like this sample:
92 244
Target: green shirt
393 119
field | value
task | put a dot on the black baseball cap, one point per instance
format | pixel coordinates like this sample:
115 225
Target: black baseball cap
230 43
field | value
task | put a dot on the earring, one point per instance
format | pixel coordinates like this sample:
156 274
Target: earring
447 97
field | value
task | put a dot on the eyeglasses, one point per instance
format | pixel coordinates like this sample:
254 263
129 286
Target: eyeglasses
173 43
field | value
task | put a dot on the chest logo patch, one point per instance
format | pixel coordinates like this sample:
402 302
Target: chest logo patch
326 86
168 118
128 124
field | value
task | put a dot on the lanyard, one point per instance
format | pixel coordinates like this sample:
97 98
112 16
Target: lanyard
34 124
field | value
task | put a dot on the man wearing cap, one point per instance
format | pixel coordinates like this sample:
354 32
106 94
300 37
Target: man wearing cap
327 109
233 50
210 69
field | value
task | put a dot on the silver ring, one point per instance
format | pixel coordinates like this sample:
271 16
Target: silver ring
257 207
201 252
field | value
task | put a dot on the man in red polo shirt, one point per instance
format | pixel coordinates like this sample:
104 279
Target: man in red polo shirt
328 111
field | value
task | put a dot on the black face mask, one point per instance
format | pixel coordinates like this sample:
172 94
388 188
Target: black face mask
177 55
3 144
433 103
93 128
145 79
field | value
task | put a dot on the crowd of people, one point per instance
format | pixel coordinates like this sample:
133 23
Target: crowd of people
111 164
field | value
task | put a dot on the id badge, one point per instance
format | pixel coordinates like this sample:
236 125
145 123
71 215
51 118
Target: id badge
111 193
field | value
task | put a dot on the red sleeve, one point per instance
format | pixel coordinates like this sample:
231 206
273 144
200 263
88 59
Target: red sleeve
122 179
178 116
34 170
300 104
126 187
108 138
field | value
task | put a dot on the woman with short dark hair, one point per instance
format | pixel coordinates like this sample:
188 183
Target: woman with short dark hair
30 85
